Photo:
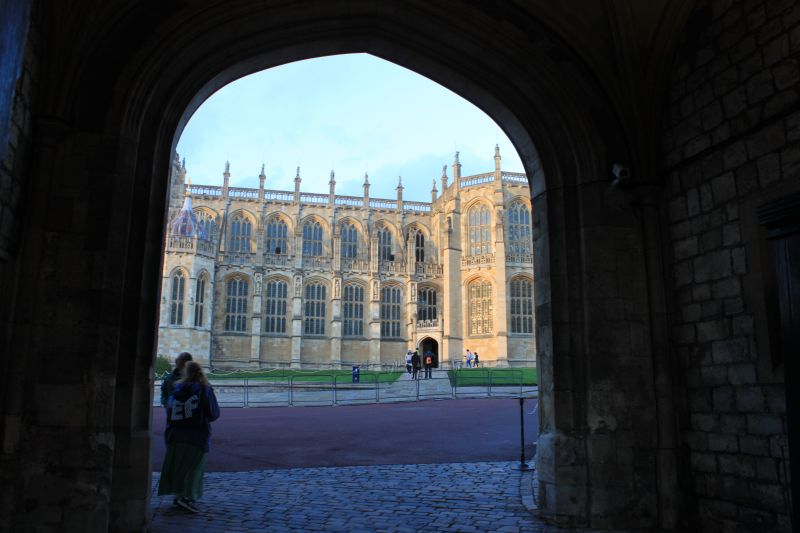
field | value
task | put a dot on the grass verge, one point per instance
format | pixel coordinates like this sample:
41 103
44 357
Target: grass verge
482 377
309 376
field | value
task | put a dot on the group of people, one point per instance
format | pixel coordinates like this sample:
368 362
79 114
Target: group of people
414 362
471 359
191 407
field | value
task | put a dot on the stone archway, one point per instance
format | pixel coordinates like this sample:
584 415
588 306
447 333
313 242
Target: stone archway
110 133
429 344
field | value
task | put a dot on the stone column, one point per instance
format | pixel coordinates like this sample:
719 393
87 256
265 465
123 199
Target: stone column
255 332
453 329
297 320
336 323
501 309
375 320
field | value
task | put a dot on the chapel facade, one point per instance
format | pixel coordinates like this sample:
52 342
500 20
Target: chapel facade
260 278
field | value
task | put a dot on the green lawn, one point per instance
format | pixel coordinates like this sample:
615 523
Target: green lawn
476 377
309 376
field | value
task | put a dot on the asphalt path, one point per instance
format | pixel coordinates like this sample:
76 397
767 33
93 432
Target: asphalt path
444 431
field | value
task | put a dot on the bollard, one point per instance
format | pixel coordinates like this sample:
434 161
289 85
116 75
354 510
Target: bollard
523 466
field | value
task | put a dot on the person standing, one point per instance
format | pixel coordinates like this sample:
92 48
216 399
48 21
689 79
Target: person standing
170 379
428 362
468 358
190 410
415 363
477 362
408 361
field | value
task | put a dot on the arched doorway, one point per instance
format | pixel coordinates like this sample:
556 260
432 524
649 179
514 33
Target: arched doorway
429 345
110 133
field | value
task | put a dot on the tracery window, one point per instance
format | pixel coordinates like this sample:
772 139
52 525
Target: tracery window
205 225
521 306
419 247
277 241
241 230
349 238
236 305
314 312
390 312
384 244
353 311
176 299
312 239
519 229
275 306
480 308
200 300
427 304
480 235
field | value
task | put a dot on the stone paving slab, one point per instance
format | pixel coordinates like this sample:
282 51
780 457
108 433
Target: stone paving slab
454 497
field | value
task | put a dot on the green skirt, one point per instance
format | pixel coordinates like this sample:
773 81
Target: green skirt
182 473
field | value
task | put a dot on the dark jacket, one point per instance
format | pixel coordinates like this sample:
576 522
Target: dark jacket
166 385
415 360
190 411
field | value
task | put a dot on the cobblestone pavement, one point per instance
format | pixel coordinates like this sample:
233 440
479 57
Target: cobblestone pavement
463 497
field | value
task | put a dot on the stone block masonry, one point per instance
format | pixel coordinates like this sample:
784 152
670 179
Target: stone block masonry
731 134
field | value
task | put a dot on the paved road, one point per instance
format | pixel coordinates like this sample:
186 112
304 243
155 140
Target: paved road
448 431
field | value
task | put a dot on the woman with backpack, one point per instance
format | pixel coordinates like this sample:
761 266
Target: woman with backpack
190 410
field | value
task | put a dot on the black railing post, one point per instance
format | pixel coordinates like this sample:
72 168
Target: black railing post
522 464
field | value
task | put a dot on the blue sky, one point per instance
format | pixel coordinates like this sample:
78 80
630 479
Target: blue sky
350 113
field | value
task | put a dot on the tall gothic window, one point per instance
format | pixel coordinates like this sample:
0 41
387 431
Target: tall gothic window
384 244
314 313
236 305
353 311
521 306
427 304
480 308
176 299
390 312
519 229
275 307
349 238
312 239
241 230
419 247
200 300
205 225
480 235
277 242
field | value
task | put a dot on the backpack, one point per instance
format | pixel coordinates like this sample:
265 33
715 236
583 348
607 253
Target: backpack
428 360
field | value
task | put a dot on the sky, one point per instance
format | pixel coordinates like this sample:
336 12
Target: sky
352 114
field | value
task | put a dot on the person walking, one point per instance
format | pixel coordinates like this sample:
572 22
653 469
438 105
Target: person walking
428 364
190 410
468 359
170 379
415 363
476 362
408 361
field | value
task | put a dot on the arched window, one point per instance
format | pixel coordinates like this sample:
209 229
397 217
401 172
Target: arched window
519 229
236 305
241 230
353 311
427 304
349 238
275 307
277 243
419 247
176 299
200 300
521 306
312 239
480 235
314 314
480 308
390 312
384 245
205 225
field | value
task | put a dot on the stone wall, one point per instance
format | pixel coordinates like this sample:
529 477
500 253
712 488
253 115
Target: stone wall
731 143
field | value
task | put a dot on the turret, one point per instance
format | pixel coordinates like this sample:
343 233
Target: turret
456 171
332 188
261 179
444 180
433 191
366 189
400 193
297 181
497 173
226 177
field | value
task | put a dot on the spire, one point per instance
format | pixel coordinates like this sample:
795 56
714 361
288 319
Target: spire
400 182
366 189
456 170
366 178
228 166
297 181
226 179
332 187
433 192
400 192
262 177
497 173
262 170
